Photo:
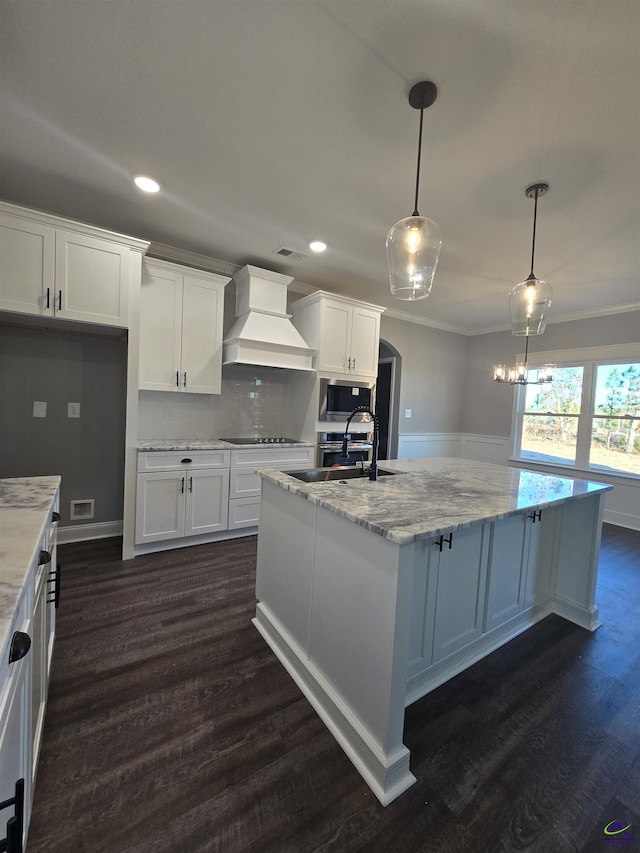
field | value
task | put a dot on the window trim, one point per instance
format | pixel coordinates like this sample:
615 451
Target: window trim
588 358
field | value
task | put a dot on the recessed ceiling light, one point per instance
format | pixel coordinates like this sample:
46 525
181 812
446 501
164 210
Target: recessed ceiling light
146 184
317 246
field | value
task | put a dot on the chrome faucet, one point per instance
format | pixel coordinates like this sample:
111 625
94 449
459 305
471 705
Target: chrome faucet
372 471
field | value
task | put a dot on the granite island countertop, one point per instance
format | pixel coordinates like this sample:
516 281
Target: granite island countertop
429 497
186 444
25 503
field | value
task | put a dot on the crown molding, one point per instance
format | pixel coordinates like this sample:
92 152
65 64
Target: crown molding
566 318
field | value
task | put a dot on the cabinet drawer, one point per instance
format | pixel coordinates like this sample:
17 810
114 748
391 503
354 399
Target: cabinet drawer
9 671
244 483
272 457
176 460
244 512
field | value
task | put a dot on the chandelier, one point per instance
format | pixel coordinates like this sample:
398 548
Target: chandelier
518 373
413 243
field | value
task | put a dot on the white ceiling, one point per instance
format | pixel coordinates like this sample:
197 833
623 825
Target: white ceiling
272 122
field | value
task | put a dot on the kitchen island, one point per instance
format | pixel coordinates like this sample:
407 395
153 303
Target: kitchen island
373 593
29 588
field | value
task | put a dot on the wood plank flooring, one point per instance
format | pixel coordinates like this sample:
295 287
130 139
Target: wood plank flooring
172 727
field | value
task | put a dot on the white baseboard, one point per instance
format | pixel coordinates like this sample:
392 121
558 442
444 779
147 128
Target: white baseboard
84 532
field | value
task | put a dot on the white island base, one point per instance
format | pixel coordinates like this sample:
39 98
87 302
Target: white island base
366 625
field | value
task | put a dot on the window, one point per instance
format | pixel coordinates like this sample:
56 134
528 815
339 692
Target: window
587 418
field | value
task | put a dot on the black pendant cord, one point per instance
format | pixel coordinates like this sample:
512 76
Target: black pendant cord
415 206
533 242
526 350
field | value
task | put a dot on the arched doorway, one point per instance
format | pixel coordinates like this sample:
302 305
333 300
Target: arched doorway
388 399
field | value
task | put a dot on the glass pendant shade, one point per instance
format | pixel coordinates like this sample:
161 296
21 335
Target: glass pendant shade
530 302
413 249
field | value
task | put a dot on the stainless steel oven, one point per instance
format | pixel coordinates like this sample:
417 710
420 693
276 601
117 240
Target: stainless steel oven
339 397
359 449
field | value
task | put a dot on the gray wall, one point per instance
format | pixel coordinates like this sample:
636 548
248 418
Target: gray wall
488 405
434 365
60 367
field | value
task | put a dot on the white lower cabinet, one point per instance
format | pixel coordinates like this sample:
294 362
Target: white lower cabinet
492 574
245 485
188 496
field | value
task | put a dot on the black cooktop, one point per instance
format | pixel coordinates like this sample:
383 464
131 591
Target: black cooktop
262 440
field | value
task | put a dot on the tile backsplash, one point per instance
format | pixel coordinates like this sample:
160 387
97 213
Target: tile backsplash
251 403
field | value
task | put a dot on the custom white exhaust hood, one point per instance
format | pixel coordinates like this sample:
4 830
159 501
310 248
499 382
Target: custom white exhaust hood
263 334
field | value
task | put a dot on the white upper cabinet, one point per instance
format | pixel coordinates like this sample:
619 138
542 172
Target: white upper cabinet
345 333
181 312
52 267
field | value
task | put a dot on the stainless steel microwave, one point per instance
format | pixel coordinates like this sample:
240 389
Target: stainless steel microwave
339 397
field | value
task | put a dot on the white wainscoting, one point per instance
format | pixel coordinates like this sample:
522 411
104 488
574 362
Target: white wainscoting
622 504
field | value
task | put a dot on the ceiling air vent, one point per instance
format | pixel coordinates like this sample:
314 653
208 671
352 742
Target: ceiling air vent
290 254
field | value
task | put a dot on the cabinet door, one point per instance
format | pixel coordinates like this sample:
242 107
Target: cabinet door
92 280
334 354
160 330
202 307
207 501
507 571
460 593
27 268
160 505
539 552
365 340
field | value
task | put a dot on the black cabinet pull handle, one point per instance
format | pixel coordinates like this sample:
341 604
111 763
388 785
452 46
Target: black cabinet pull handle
20 645
182 487
441 540
47 297
185 379
537 514
44 558
186 459
55 578
55 516
191 484
15 825
59 300
177 379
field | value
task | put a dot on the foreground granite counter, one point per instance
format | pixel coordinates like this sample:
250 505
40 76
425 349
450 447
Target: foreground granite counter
430 497
372 594
25 513
185 444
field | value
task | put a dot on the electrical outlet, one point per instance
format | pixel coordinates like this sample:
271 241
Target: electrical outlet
39 409
73 410
407 413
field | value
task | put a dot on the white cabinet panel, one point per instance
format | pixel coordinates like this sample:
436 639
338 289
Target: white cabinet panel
335 350
202 309
461 591
160 506
365 339
507 571
540 557
91 280
207 501
27 269
160 329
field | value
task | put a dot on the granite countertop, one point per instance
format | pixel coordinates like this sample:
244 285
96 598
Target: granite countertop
182 444
25 504
429 497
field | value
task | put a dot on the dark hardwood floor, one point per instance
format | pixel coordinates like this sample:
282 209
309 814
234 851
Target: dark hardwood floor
172 727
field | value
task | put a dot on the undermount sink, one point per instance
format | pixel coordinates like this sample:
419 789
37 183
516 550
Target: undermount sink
321 475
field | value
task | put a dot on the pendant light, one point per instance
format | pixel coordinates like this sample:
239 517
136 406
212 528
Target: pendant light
531 299
413 244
